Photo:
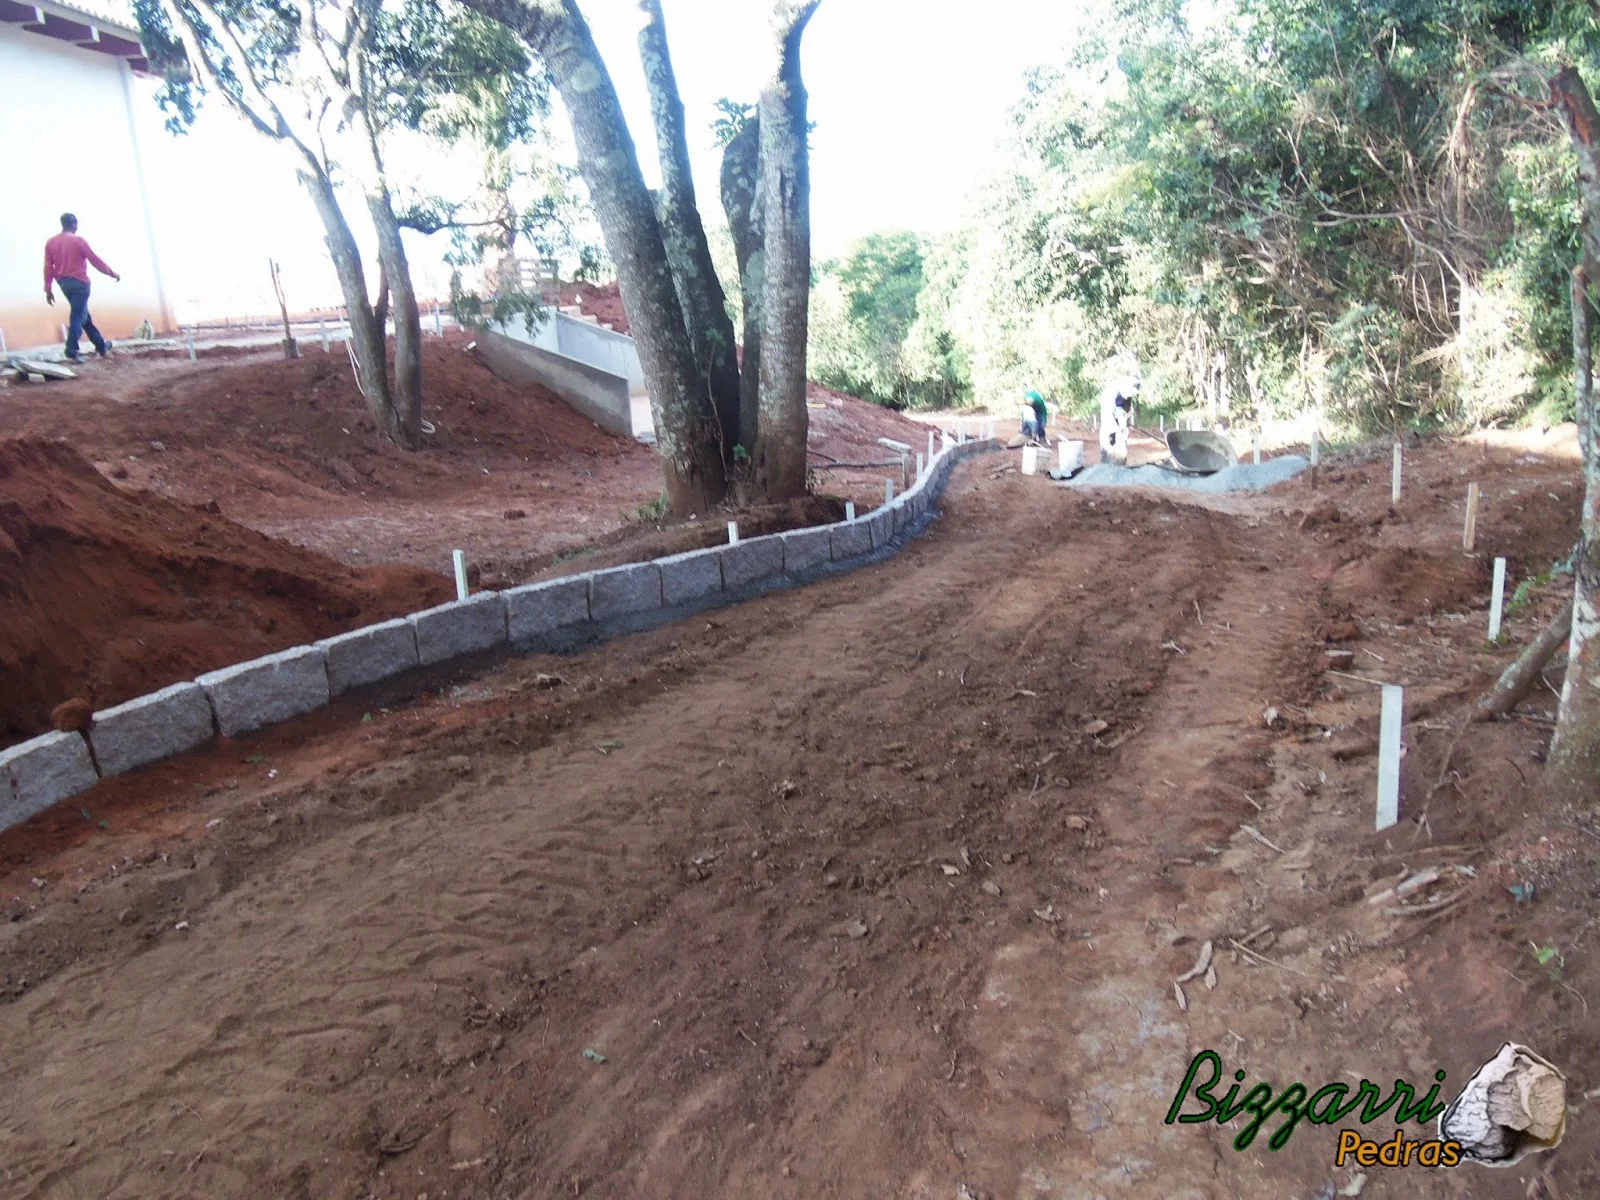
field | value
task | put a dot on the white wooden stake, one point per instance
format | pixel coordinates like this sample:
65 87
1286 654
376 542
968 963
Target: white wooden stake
1394 490
438 321
190 332
930 450
1163 423
1315 447
322 331
460 561
63 333
1389 727
3 342
921 462
1256 448
1469 533
849 510
1497 599
733 533
888 490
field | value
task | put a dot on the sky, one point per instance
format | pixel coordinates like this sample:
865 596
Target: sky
909 98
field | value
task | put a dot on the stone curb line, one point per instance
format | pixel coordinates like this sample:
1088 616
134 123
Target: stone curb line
561 613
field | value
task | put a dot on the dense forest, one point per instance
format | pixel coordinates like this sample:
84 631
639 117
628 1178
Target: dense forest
1270 207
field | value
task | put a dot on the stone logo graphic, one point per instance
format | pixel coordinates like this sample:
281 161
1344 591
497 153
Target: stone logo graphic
1516 1105
1513 1106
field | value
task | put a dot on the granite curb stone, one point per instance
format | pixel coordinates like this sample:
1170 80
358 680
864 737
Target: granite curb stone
536 608
369 654
751 561
265 690
622 591
43 771
151 727
691 575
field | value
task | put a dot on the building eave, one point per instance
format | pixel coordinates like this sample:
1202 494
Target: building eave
99 31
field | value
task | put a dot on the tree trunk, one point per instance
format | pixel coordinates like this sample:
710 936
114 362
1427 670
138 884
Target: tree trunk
366 338
380 306
705 312
780 453
687 432
1520 678
407 387
741 176
1574 765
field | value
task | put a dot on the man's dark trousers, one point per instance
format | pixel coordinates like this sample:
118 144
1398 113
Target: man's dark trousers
77 293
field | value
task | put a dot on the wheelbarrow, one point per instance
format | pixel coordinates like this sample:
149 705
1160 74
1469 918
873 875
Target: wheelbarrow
1199 452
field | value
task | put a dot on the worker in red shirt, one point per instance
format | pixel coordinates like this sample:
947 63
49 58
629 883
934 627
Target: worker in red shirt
66 259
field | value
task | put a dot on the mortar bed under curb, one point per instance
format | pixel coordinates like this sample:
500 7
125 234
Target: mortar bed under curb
574 611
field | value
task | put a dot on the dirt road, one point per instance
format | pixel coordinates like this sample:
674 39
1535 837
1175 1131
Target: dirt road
875 889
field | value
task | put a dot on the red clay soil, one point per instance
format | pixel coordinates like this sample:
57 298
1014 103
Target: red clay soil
105 595
879 887
599 300
126 588
287 448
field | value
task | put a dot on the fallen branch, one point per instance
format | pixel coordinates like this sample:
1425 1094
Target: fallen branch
1522 676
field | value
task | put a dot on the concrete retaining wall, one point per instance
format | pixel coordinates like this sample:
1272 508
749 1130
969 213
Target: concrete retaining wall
589 607
602 396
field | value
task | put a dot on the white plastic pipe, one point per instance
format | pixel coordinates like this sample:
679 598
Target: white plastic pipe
190 332
322 331
1394 490
1390 724
460 561
849 510
888 490
733 533
1497 599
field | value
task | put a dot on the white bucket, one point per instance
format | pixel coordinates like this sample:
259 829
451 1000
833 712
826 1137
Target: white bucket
1070 454
1030 460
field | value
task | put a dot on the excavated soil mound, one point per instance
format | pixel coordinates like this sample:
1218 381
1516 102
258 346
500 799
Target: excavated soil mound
105 595
1409 582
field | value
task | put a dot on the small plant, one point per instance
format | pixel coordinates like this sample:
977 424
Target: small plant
1525 589
740 454
1550 958
652 512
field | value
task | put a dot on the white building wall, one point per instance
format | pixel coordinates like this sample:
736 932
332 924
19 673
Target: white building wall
70 145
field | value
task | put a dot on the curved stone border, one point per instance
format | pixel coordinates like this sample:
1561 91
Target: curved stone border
559 614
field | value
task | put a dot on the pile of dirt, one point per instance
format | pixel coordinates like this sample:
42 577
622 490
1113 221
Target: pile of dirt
301 429
106 595
1409 582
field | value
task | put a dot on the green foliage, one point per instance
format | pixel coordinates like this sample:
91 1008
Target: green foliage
650 514
732 117
1273 206
867 337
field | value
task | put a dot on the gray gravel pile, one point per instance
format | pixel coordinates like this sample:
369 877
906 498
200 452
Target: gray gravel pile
1241 477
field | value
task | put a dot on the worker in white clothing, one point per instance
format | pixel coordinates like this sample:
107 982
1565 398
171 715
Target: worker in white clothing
1116 418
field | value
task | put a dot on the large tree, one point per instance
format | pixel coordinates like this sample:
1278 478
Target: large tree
741 200
675 306
687 432
780 450
327 81
1574 764
270 66
705 310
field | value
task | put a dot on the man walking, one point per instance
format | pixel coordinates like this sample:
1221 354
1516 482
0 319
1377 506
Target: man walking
66 261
